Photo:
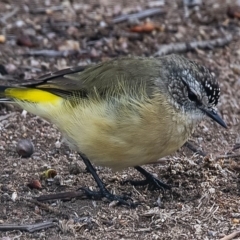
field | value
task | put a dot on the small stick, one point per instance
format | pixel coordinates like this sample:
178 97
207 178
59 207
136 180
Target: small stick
44 206
9 15
27 227
236 146
62 196
194 149
228 156
8 77
52 53
231 236
64 24
139 15
129 35
45 10
189 46
4 117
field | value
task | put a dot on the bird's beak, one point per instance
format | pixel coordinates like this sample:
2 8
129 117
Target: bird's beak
213 115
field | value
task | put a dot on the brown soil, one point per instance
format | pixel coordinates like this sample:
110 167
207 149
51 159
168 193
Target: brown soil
204 202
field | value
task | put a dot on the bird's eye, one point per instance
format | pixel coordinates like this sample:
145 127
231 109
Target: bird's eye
192 96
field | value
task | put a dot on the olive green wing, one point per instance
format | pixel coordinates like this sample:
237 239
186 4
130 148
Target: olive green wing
110 77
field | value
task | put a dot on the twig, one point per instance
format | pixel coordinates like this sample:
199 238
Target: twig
195 149
231 236
129 35
139 15
236 146
62 196
4 19
189 46
27 227
53 53
63 24
45 10
191 4
227 156
7 77
7 116
44 206
66 53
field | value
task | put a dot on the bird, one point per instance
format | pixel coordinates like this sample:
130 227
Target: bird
124 112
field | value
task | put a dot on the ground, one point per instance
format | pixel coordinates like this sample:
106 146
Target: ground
204 201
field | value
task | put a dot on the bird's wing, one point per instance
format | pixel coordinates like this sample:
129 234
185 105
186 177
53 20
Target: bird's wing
103 77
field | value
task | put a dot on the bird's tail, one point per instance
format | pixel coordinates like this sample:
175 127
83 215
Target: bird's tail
36 101
21 94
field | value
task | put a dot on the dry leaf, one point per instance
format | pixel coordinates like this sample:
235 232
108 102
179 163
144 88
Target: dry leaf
146 27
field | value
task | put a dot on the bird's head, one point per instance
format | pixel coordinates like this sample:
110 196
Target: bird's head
193 89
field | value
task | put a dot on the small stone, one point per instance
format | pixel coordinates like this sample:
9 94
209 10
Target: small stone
14 196
58 144
25 148
74 169
20 23
24 113
2 39
212 233
235 221
212 190
4 188
6 238
209 138
34 184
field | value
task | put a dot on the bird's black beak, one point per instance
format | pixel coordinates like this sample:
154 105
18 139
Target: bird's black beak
213 115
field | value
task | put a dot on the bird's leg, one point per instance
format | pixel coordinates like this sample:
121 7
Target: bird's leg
103 192
154 183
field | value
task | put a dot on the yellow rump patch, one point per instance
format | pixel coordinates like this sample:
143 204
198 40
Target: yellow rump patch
31 95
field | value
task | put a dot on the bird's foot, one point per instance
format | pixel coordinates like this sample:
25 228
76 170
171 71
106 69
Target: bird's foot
103 192
153 182
121 200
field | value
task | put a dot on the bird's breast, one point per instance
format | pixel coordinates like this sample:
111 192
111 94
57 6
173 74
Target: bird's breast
123 135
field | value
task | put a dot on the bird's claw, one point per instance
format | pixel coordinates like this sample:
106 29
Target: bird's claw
153 183
121 200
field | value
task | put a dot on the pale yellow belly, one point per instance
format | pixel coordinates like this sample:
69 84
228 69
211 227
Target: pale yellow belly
119 137
124 140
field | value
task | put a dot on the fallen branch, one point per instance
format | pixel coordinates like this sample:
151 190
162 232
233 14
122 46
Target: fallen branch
52 53
27 227
227 156
45 207
236 146
4 19
231 236
7 77
129 35
143 14
4 117
189 46
62 196
46 10
195 149
63 24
